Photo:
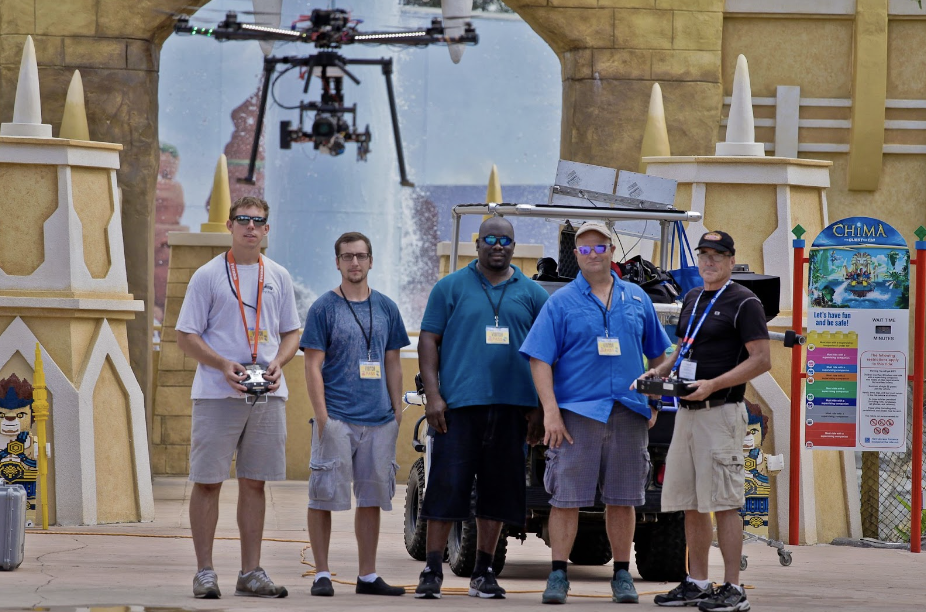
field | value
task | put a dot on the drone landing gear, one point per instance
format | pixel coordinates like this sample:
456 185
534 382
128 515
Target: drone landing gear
329 130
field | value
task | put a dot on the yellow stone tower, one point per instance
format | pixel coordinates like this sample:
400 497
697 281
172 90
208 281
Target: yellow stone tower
63 285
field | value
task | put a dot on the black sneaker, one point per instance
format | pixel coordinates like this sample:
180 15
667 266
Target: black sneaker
323 587
687 593
378 587
485 586
429 585
726 598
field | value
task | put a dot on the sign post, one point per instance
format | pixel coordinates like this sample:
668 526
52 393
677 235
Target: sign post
797 379
919 338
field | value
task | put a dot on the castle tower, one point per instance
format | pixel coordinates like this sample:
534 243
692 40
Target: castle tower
63 284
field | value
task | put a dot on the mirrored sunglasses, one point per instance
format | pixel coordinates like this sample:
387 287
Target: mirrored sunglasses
492 239
598 248
245 219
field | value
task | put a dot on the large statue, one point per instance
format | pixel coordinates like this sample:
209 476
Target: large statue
755 512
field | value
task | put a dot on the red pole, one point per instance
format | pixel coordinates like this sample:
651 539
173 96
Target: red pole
919 337
797 324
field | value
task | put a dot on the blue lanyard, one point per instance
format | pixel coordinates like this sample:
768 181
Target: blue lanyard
688 339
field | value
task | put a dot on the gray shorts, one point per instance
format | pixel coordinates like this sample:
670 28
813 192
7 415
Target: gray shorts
362 454
223 426
611 457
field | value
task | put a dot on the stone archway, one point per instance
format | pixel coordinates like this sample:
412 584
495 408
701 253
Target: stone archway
116 46
612 51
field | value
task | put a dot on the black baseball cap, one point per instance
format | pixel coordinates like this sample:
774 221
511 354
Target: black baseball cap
721 242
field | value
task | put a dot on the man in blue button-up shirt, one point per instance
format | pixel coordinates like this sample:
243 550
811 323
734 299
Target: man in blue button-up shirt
585 349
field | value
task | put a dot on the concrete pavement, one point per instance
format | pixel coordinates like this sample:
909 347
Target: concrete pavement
152 565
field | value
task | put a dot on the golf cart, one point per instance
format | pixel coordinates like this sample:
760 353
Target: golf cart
659 538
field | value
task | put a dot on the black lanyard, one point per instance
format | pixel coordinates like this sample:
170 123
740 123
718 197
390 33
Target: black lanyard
368 338
495 307
230 286
604 311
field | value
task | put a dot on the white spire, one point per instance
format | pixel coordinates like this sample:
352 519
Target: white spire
267 13
741 128
27 110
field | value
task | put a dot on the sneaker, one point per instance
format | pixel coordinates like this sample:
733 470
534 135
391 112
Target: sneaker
622 589
486 586
377 587
257 583
206 584
323 587
725 599
429 585
687 593
557 588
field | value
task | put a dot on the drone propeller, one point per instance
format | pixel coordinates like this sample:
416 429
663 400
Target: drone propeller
455 15
267 13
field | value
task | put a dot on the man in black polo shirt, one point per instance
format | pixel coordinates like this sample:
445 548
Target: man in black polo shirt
723 344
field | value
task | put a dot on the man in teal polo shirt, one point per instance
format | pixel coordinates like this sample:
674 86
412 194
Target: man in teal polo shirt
479 395
596 330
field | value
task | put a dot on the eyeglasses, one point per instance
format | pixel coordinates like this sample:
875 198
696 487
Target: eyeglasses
492 239
713 257
348 257
246 219
598 248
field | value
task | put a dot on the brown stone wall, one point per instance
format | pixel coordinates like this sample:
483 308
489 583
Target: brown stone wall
612 51
116 45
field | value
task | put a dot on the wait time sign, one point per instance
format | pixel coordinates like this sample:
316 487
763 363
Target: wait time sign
857 337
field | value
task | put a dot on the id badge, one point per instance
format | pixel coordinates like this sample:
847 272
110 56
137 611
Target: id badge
609 347
371 369
263 336
496 335
687 369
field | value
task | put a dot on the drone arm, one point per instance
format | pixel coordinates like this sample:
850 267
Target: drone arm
387 72
270 64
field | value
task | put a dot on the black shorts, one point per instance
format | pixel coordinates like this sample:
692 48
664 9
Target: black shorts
486 443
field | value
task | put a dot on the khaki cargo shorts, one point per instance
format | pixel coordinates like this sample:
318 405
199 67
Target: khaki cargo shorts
230 427
704 468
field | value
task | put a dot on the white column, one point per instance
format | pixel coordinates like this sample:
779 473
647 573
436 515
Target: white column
787 112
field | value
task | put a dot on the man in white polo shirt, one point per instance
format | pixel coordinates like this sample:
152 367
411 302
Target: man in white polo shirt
239 310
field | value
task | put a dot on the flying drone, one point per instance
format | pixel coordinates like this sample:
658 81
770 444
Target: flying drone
328 30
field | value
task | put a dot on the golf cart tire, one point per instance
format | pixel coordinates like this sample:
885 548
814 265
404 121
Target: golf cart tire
661 548
416 530
591 548
461 545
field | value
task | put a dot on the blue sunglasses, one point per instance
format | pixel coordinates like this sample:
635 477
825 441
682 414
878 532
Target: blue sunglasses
599 248
492 240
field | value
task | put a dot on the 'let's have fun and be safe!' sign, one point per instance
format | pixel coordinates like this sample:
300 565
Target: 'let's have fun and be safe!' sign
857 337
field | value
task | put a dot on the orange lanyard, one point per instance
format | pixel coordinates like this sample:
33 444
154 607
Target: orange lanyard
260 293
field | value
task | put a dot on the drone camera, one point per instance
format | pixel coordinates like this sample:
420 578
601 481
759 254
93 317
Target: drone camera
324 127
